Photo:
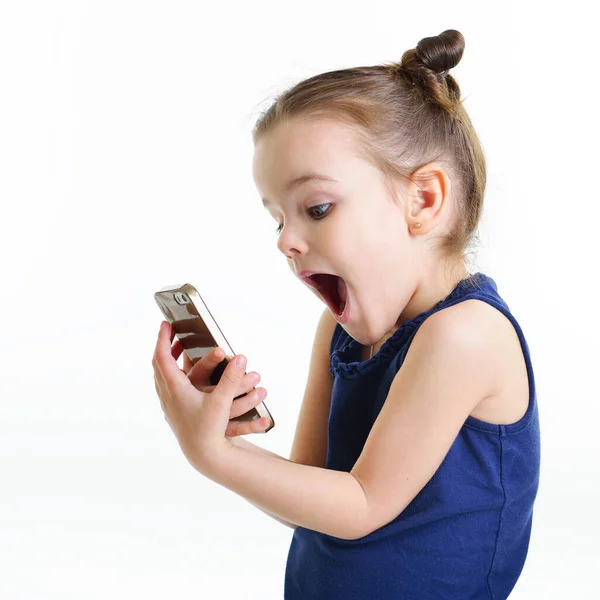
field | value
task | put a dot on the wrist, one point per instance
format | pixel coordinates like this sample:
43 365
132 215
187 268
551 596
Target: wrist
208 460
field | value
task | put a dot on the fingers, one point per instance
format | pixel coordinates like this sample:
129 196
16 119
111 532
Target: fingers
188 365
242 405
249 381
200 372
231 380
199 375
159 379
177 349
236 428
247 385
165 367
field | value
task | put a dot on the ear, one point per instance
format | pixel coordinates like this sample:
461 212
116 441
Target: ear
428 199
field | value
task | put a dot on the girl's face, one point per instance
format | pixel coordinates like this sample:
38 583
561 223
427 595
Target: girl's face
350 226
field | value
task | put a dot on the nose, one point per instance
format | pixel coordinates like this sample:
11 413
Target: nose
290 243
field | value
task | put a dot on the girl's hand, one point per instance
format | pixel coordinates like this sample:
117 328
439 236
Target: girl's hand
199 375
199 418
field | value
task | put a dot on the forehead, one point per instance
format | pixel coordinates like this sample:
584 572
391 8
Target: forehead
297 148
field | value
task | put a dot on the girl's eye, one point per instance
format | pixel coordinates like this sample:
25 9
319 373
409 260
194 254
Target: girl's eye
320 214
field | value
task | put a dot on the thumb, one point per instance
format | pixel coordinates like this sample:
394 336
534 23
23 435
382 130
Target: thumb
231 380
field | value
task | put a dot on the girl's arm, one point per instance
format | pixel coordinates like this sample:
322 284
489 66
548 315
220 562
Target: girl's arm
450 366
324 500
242 443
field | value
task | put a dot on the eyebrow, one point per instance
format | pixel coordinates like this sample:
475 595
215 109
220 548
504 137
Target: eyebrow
298 181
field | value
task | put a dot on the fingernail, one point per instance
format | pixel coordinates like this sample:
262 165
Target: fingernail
240 361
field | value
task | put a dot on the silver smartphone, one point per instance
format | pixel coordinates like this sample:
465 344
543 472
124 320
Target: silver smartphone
198 332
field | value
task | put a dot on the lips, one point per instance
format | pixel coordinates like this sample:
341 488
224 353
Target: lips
332 288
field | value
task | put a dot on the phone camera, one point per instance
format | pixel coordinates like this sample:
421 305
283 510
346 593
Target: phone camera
181 298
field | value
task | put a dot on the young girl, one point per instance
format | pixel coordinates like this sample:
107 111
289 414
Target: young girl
415 463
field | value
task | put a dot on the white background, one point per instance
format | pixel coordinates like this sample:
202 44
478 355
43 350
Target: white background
125 166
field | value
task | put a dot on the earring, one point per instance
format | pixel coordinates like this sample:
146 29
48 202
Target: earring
417 225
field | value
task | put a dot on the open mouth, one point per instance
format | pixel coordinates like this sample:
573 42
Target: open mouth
332 288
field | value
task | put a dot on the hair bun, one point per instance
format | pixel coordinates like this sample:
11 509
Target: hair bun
443 52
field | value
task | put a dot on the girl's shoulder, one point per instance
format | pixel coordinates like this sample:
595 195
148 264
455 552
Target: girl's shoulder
507 399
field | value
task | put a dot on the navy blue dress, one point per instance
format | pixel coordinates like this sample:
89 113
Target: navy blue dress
466 534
